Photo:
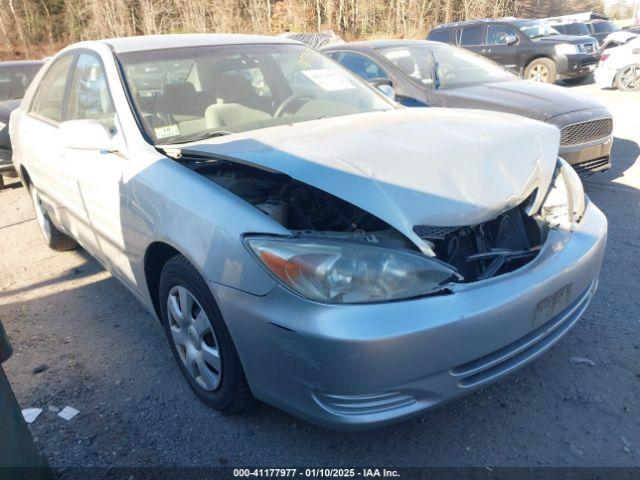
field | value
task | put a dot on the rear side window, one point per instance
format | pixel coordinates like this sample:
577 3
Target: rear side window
50 95
362 66
440 35
89 97
471 35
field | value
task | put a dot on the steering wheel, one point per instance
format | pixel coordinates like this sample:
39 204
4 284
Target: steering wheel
289 100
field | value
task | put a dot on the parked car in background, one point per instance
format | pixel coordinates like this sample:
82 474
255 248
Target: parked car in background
431 73
617 39
619 66
15 77
598 29
301 237
529 48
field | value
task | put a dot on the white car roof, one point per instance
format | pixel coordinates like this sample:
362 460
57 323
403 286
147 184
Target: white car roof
159 42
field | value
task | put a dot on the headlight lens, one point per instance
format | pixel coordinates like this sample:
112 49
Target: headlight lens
2 125
345 272
566 49
565 203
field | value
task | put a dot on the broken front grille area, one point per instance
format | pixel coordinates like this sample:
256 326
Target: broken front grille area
498 246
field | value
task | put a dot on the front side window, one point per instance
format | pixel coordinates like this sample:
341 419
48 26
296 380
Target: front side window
499 34
50 95
446 66
14 80
471 35
89 96
236 88
362 66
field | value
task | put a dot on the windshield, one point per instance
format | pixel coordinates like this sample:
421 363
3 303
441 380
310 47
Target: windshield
573 29
605 27
185 94
454 67
535 29
14 80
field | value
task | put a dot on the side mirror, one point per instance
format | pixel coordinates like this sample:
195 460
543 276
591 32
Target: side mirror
385 86
511 39
86 135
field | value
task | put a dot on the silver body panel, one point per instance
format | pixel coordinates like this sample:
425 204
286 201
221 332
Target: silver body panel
320 361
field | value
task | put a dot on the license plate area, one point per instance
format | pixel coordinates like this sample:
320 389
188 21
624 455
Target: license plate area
551 305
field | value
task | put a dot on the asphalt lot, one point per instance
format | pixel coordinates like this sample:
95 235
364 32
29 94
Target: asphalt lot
107 357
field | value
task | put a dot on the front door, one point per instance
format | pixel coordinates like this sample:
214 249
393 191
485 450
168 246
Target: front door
100 173
499 50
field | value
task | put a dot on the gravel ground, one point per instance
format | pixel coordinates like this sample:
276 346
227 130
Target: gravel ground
105 356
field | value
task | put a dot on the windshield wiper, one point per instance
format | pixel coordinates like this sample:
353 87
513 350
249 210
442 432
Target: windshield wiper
205 136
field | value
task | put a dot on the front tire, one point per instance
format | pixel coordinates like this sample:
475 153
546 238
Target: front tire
200 340
54 238
628 79
541 70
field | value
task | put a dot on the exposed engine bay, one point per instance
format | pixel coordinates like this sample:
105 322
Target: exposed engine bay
477 252
498 246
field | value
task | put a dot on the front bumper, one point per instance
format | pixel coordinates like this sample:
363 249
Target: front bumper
362 366
604 77
590 157
575 66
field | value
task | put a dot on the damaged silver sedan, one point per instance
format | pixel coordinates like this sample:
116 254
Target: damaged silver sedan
302 239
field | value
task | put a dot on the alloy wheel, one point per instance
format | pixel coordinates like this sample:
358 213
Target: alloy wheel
539 73
194 338
630 78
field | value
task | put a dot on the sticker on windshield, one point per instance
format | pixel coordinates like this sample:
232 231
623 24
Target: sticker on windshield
167 131
329 80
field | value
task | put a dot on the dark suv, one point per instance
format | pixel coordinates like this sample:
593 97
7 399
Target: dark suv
530 48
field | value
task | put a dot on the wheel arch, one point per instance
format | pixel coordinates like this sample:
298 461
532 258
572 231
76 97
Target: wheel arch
24 176
156 256
534 57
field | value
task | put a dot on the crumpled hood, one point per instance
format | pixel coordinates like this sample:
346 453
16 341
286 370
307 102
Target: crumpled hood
529 99
420 166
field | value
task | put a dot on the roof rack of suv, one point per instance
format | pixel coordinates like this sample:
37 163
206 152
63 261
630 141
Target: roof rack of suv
477 20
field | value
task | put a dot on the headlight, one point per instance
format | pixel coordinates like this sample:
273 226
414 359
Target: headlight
2 125
566 49
564 204
333 271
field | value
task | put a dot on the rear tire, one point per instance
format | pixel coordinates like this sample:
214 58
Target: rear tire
628 79
200 340
541 70
54 238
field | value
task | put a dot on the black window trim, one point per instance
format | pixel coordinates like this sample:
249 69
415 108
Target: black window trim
76 52
483 34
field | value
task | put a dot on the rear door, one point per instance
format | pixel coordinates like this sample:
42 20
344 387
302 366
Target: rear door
41 147
472 37
498 49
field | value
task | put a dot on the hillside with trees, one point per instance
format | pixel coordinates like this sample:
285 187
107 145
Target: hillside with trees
36 28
